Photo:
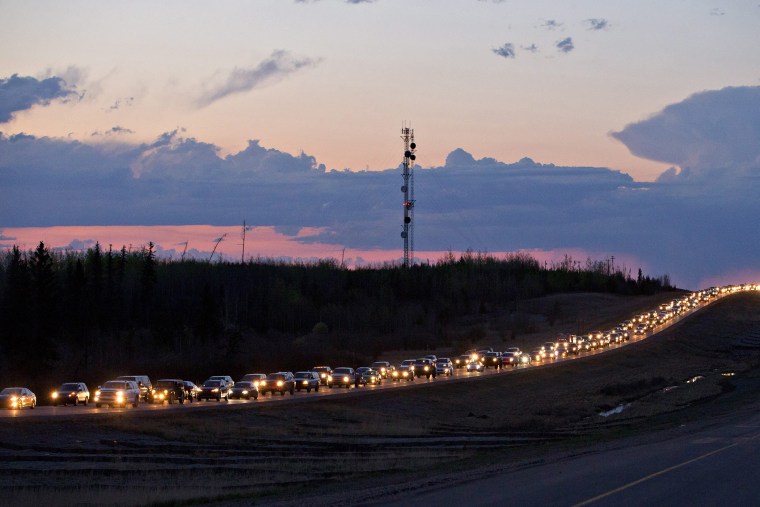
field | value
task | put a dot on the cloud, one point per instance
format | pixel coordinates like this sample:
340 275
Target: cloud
19 93
532 48
711 133
716 11
552 24
113 131
507 50
690 227
565 45
278 66
597 24
119 103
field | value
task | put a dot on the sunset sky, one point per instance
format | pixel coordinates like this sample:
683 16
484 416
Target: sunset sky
113 94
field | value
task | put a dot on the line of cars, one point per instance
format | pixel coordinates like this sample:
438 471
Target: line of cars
133 389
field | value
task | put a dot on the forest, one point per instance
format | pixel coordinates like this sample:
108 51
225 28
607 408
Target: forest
86 316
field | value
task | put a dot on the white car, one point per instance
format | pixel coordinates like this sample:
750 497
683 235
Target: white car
475 366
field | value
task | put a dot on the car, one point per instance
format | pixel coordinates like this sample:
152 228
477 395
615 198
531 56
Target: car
244 390
551 350
424 367
167 390
444 366
191 391
461 361
17 397
142 381
409 363
225 378
538 355
118 392
403 372
71 392
256 378
307 380
491 359
368 376
281 382
323 372
432 357
510 359
342 377
384 368
475 366
214 390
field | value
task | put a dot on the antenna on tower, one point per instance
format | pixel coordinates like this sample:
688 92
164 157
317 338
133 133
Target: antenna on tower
407 135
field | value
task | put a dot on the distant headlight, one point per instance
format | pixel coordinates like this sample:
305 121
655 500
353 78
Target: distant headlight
382 370
406 373
263 383
345 379
257 383
330 378
324 375
55 394
427 369
280 383
306 382
245 391
97 393
215 390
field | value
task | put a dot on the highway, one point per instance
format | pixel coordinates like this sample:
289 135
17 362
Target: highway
460 375
707 464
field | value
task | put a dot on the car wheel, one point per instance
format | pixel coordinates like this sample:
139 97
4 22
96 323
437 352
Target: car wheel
34 404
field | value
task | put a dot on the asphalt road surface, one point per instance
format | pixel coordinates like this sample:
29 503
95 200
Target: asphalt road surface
709 465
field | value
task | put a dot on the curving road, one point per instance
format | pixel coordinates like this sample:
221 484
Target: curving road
459 376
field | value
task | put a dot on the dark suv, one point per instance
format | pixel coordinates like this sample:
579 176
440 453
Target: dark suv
167 390
424 367
281 382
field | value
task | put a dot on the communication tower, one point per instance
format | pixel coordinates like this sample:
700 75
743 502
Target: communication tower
407 135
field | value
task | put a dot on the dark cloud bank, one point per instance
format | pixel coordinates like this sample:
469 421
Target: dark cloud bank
19 93
696 221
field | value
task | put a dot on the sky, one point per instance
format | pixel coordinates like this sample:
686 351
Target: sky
626 128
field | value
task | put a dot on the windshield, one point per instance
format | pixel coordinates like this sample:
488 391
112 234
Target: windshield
212 383
303 374
275 376
69 387
342 371
243 384
115 384
164 384
11 391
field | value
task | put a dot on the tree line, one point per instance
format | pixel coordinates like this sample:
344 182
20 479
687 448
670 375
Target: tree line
70 315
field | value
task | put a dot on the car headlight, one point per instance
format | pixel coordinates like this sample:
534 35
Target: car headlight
245 391
330 378
406 373
324 375
215 390
427 368
280 383
55 394
256 383
382 370
346 379
306 382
